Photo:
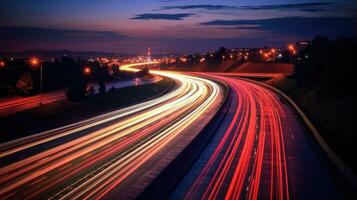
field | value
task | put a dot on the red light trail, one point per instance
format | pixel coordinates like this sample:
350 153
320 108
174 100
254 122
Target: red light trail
250 156
115 145
240 153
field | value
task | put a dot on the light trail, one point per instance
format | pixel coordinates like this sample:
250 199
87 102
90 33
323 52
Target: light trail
259 150
252 141
115 144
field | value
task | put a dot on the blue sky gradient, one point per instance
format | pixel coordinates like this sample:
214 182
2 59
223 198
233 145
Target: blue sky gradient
169 25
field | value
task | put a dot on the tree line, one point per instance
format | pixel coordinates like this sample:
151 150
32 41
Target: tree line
329 64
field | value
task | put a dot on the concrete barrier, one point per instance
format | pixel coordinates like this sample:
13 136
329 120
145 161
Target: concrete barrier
169 177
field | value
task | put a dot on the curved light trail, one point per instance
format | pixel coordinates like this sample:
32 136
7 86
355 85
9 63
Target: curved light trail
258 151
247 157
90 158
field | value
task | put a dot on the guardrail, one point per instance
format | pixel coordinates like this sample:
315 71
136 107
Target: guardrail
339 164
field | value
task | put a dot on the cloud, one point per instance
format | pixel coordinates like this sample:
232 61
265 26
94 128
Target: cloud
307 7
45 34
16 39
156 16
202 6
24 38
303 26
169 1
298 6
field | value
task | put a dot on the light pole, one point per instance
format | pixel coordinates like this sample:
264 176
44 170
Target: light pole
35 62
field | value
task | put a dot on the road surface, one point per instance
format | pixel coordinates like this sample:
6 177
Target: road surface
117 153
260 151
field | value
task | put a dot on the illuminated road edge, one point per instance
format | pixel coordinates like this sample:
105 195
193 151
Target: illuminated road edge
118 149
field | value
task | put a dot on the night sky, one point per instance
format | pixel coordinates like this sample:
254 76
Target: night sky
131 26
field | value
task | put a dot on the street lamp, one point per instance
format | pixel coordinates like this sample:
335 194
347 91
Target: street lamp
291 47
35 62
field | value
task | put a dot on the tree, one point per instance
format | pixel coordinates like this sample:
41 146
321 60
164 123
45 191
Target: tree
329 64
90 90
102 88
77 91
25 84
7 91
78 88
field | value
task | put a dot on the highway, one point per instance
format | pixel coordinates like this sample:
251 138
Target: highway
259 151
90 158
13 105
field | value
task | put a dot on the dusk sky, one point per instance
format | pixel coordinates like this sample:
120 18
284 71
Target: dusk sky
131 26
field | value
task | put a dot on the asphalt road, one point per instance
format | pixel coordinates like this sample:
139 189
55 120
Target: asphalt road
260 151
122 149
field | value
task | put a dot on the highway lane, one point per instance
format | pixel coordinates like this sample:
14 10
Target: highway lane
13 105
260 151
104 151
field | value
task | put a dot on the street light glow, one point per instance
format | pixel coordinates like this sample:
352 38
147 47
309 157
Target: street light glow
34 61
291 47
87 70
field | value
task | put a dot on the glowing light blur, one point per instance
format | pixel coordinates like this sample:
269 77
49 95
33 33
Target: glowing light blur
91 165
34 61
87 70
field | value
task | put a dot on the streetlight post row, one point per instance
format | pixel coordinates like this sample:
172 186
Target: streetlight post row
35 62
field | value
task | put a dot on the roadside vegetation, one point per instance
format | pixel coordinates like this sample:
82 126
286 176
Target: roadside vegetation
19 77
324 86
65 111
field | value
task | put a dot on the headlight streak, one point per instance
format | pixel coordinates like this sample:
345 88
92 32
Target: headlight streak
118 149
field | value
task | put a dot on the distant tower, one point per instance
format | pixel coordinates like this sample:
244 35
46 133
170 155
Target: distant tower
149 55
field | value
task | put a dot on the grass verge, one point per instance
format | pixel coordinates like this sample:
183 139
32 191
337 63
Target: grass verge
64 112
334 117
